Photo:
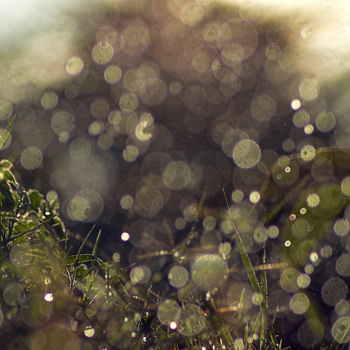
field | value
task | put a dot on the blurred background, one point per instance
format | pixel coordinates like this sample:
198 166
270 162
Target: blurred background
136 114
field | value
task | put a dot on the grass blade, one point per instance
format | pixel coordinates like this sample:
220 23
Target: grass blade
94 250
338 345
249 269
264 289
77 257
83 243
83 258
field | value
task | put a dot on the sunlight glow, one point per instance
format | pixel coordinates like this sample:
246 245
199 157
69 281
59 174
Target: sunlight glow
125 236
48 297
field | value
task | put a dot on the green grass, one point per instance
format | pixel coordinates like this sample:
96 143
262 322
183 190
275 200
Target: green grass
95 301
36 262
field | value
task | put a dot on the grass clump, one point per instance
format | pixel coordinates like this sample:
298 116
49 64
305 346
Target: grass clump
53 298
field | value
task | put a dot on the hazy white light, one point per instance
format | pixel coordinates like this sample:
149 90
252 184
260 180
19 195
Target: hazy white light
328 32
89 332
125 236
287 243
48 297
295 104
17 17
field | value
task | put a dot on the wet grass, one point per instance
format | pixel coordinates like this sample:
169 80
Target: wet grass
45 285
37 261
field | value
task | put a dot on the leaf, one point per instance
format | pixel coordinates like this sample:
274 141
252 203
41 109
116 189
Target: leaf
5 164
36 199
6 134
6 201
28 232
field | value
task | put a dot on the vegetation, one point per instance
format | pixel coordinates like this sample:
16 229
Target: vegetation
50 293
50 297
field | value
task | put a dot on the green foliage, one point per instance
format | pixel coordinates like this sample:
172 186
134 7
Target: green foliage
45 289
